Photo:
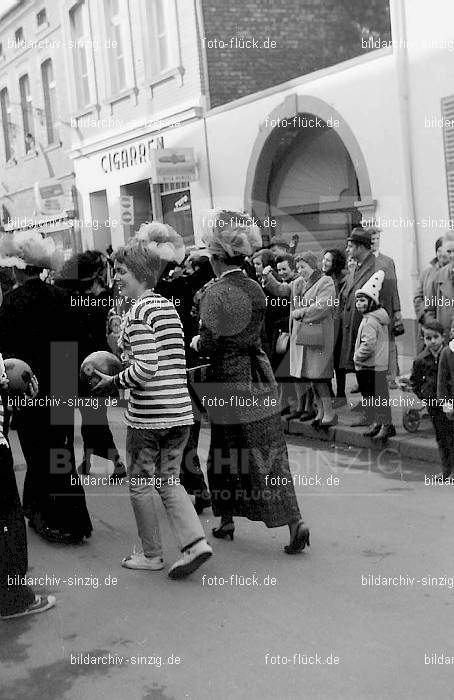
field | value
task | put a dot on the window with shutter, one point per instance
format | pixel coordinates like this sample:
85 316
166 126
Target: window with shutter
447 108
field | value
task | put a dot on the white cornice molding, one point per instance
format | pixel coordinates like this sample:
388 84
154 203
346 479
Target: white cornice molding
102 143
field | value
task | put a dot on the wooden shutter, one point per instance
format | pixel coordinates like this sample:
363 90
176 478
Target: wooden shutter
447 109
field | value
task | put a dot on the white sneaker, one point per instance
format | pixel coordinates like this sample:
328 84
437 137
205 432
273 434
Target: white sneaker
191 560
138 560
41 604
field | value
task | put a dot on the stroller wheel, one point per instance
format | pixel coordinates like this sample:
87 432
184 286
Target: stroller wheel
411 420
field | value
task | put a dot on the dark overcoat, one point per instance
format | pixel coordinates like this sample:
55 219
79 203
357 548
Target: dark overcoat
351 318
248 468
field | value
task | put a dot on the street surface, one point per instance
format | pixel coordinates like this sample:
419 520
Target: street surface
253 622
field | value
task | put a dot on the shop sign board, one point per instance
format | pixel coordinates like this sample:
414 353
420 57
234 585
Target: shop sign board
173 165
127 210
50 197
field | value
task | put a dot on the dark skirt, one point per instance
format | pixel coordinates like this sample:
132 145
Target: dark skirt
96 433
53 496
14 597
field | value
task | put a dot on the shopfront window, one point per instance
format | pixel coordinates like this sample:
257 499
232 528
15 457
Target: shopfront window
142 205
177 209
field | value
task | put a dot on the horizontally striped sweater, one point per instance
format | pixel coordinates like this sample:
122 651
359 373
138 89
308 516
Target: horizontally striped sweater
152 342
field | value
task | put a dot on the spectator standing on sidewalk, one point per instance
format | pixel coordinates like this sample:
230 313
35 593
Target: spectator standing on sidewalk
361 265
440 304
426 375
424 287
390 301
371 357
333 265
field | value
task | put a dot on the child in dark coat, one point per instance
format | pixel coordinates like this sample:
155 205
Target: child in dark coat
426 375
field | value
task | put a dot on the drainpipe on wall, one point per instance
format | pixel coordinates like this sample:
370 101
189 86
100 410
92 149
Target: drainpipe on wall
399 38
205 90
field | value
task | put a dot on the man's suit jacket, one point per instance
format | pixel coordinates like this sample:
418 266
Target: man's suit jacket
389 295
441 297
423 290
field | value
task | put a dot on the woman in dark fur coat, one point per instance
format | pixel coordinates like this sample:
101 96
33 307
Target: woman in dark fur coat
36 326
248 469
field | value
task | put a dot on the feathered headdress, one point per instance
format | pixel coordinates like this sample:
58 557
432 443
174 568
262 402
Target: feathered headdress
230 233
163 240
24 248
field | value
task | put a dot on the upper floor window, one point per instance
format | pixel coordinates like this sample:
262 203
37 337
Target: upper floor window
18 36
41 17
116 45
27 112
50 100
80 42
162 35
8 134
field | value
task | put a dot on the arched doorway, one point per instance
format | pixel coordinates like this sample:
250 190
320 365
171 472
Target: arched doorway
308 174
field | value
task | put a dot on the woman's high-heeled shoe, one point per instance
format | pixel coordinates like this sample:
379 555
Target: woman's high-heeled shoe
373 430
331 423
299 540
224 531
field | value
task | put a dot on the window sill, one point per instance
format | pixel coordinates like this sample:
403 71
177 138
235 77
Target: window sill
42 27
177 72
120 96
86 111
53 146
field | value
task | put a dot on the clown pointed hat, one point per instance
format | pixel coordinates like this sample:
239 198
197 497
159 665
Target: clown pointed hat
372 287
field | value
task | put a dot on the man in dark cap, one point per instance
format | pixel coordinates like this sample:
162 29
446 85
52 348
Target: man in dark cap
359 248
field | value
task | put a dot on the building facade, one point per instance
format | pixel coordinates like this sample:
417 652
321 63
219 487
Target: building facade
170 107
143 77
37 183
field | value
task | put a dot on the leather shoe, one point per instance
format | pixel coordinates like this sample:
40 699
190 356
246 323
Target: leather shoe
357 407
360 422
306 415
331 423
373 430
385 432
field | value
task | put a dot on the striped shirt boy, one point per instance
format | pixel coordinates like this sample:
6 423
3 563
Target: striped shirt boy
152 341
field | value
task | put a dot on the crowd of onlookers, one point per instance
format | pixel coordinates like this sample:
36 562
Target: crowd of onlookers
334 313
261 331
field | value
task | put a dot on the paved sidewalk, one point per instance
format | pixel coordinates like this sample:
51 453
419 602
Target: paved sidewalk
419 445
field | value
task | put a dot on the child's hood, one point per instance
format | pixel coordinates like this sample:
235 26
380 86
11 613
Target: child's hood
381 315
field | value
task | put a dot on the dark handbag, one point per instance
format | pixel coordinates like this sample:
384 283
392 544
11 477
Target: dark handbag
282 343
398 328
310 334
